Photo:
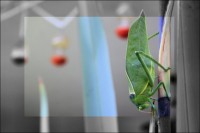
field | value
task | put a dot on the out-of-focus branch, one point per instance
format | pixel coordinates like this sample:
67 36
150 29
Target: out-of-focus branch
54 20
44 107
22 7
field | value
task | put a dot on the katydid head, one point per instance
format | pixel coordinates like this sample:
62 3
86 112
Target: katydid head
140 101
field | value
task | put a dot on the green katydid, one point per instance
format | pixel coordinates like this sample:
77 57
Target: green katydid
140 67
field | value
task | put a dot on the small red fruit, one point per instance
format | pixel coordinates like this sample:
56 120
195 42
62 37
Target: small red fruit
122 31
58 60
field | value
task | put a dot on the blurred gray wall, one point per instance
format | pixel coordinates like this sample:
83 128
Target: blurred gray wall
188 112
12 77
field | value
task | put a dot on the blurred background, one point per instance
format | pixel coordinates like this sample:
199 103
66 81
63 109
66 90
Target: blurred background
64 84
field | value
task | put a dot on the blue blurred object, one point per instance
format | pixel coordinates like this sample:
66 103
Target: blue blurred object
161 19
99 96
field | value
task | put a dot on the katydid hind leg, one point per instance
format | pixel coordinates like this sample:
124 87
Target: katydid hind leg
153 60
145 68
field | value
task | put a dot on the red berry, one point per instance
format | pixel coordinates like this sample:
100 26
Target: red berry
122 31
58 60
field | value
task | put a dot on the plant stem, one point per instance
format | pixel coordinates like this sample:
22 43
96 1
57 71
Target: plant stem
164 59
152 125
164 124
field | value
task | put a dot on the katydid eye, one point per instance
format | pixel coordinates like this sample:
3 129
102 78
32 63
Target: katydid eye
132 96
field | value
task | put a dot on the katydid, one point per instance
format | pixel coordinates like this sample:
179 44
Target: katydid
140 67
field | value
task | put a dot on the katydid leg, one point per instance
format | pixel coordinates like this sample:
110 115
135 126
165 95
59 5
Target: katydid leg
153 60
152 105
154 99
145 68
158 87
